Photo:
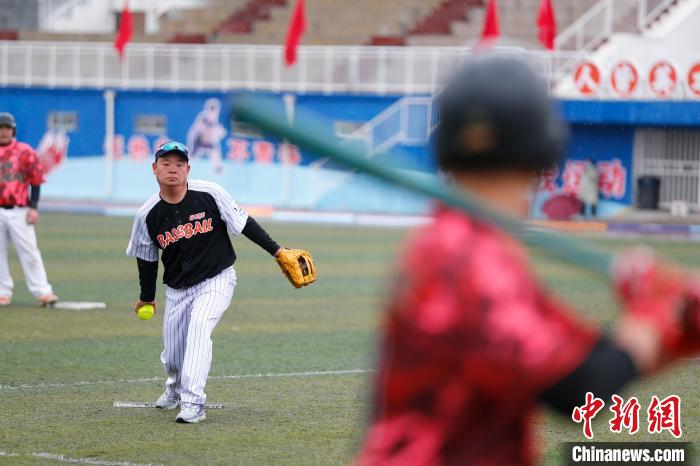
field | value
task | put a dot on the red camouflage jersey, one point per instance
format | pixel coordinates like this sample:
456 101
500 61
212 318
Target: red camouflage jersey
19 168
470 342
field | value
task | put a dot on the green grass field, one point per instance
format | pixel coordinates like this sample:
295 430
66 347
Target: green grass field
275 351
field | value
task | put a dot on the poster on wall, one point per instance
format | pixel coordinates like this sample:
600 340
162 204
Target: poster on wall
208 139
576 189
205 135
594 181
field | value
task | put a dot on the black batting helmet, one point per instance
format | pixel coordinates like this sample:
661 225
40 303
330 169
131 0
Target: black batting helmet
495 113
8 120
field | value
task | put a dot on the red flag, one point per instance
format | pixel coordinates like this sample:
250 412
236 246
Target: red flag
491 29
126 29
547 24
297 26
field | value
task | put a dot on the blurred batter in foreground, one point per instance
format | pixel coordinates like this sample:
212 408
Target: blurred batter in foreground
472 342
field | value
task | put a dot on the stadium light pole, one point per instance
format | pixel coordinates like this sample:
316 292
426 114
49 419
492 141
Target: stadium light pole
289 104
109 96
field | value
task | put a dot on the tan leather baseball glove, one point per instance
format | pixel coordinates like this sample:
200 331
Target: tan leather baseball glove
298 266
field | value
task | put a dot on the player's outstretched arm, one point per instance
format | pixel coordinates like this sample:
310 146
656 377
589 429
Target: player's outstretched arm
664 301
660 324
257 234
606 369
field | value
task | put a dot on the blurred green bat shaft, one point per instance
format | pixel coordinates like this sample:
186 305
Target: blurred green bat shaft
307 131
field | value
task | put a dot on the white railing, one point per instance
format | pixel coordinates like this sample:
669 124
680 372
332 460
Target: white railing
589 30
649 10
332 69
407 121
376 70
607 17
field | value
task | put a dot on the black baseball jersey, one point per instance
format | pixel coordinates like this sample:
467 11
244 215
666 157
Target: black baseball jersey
192 234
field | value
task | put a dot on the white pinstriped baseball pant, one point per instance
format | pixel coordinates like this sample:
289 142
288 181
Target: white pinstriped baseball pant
190 317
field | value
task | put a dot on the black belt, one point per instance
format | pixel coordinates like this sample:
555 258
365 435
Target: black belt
8 207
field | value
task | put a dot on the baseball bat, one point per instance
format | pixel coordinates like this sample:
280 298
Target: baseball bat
312 132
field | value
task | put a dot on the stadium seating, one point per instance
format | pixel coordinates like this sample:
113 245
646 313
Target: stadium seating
440 20
361 20
243 20
89 37
329 22
459 22
9 34
200 20
19 14
391 22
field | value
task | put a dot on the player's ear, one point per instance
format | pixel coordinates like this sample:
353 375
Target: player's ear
154 167
188 168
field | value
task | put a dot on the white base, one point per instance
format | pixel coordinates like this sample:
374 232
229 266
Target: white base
78 305
139 404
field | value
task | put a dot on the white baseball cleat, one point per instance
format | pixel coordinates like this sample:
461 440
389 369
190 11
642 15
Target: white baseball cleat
167 401
47 300
191 414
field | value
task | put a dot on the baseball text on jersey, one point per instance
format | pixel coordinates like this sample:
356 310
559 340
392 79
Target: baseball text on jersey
187 231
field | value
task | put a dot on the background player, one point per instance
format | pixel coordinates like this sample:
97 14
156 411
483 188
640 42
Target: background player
20 169
189 220
472 342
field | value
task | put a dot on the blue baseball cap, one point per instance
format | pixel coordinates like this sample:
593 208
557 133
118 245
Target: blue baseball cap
173 147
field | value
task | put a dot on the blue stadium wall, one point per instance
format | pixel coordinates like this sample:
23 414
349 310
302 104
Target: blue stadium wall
252 171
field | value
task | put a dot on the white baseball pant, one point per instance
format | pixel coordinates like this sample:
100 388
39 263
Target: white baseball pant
14 227
190 317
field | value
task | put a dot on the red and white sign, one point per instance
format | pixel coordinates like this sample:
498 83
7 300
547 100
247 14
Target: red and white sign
624 78
289 153
662 78
694 79
262 151
160 140
587 78
138 149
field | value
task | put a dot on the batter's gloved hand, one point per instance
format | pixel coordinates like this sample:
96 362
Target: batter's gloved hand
663 296
298 266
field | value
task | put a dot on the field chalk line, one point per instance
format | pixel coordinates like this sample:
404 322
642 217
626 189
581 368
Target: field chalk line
213 377
66 459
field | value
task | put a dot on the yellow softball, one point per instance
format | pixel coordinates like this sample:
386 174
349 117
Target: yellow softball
146 311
